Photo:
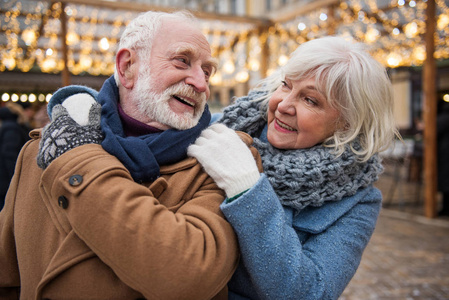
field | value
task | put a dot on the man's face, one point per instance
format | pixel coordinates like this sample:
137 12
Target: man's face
172 89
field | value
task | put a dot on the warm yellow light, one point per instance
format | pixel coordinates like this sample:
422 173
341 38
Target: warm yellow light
103 44
446 97
72 38
270 71
28 36
394 60
48 65
216 79
85 62
443 21
5 97
371 35
41 98
254 65
32 98
242 76
419 53
14 97
282 60
23 98
48 97
411 29
229 67
9 62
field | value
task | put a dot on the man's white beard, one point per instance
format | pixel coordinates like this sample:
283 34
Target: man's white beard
156 107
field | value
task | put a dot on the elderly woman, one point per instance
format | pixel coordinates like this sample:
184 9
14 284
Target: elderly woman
318 123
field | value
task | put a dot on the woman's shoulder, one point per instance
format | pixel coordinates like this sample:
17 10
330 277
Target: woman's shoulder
365 201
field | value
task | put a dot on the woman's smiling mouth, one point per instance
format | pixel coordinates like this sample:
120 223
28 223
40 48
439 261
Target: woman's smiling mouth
283 125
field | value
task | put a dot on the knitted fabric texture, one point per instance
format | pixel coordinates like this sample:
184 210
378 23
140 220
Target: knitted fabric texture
302 177
64 133
141 155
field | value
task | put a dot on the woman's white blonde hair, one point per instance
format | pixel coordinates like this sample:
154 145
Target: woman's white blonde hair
353 82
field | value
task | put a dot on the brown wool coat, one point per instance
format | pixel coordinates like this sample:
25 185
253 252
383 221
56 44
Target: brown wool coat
83 229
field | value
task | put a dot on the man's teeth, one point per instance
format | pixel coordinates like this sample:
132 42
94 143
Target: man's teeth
285 126
184 100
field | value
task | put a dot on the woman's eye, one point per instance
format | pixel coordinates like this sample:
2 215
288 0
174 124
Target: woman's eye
284 84
311 101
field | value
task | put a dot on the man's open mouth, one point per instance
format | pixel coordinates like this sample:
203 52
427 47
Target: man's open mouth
184 101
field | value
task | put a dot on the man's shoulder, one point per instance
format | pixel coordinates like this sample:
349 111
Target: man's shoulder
184 164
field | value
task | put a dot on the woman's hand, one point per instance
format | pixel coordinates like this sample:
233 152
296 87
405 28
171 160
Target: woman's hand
226 158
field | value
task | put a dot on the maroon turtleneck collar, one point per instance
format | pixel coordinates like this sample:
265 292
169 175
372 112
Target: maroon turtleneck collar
132 127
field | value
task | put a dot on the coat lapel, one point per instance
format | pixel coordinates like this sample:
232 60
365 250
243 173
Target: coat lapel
317 219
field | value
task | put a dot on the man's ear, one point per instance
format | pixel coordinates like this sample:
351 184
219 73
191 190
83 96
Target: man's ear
126 65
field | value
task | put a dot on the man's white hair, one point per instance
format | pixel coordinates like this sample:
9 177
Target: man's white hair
139 33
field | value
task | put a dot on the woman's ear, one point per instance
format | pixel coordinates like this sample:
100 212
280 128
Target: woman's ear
127 67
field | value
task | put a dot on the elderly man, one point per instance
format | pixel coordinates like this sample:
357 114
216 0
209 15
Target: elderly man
121 212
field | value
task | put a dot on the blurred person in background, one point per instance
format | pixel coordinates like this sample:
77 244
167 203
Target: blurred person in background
40 116
13 135
318 124
443 156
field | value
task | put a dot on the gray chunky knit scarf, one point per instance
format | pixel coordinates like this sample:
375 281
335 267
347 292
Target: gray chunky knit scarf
303 177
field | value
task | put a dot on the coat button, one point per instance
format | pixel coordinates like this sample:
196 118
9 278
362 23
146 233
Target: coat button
63 202
75 180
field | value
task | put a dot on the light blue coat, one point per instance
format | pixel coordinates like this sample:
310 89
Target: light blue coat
310 255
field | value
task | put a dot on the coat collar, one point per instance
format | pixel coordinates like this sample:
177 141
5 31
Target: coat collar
318 219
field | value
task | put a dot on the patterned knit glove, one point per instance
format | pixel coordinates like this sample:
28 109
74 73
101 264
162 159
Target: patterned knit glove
226 158
63 134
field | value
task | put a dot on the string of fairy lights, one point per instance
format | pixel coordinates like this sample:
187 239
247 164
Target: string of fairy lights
30 36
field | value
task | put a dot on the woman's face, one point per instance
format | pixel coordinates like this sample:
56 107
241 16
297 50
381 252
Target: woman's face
299 116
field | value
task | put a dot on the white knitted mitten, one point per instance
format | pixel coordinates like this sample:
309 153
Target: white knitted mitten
226 158
78 107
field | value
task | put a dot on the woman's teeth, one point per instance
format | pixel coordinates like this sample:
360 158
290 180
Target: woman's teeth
285 126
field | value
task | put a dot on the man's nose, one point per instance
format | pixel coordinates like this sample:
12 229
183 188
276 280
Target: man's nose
197 79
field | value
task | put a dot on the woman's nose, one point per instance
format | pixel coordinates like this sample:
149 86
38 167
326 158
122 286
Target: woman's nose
286 106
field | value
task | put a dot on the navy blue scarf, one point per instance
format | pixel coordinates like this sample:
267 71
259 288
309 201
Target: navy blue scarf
141 155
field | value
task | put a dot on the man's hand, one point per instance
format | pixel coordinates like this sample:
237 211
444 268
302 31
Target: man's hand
63 134
226 159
